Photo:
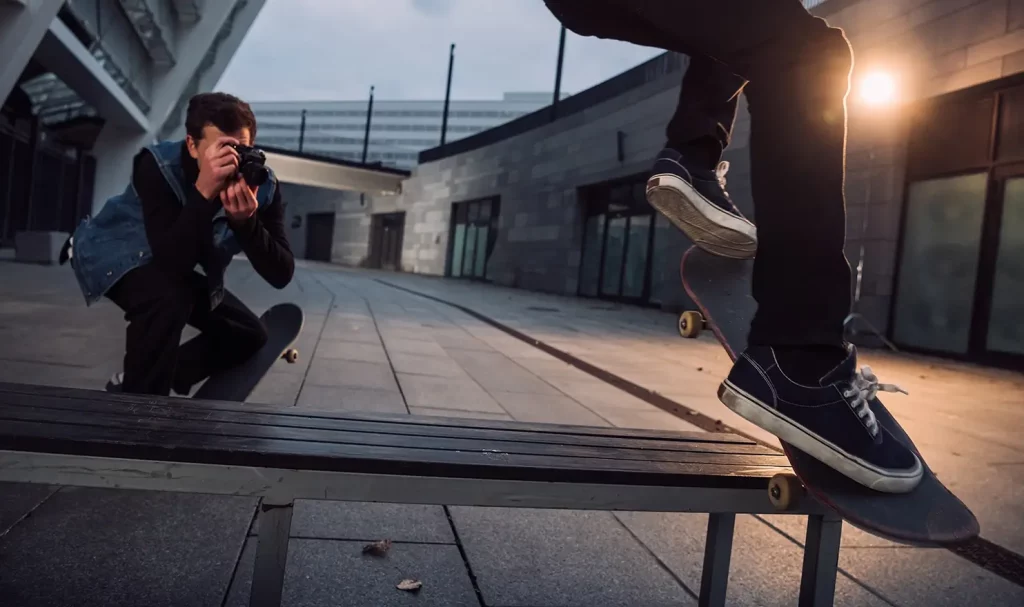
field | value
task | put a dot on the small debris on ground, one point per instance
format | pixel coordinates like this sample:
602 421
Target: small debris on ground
410 585
379 548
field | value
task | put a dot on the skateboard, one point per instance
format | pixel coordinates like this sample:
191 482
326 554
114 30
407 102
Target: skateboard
930 515
283 323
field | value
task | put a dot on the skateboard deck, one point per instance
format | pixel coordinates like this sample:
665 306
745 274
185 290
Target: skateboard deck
930 515
283 323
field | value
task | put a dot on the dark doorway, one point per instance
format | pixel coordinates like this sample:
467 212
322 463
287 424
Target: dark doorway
386 231
618 242
319 236
473 233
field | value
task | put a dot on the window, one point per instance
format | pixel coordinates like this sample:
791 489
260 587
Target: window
959 285
618 234
472 237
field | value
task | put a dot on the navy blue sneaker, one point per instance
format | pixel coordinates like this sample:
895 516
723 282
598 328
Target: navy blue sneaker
830 421
695 201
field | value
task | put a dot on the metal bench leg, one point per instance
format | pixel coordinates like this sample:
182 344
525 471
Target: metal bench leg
821 561
271 555
717 553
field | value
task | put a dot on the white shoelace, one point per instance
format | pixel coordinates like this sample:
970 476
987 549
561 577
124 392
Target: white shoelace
863 390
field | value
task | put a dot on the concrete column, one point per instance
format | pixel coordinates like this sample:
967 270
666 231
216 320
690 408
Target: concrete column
116 146
22 26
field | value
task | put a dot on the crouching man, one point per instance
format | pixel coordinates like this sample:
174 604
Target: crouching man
191 204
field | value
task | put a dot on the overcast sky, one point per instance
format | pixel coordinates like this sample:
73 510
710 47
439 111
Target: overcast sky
335 49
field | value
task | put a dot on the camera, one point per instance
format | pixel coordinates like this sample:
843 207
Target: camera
252 165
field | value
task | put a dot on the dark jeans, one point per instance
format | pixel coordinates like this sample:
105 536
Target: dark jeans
157 309
794 70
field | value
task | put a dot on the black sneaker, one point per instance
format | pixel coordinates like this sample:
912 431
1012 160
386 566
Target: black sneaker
115 383
695 201
831 421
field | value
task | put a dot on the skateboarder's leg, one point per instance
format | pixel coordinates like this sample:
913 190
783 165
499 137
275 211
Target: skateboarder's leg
229 334
797 379
687 184
157 309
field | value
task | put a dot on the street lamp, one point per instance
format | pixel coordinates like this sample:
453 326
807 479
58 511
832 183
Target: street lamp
878 91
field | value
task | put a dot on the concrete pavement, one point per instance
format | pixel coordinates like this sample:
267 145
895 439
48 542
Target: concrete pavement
368 346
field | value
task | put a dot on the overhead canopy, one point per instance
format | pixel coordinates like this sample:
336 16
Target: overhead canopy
317 171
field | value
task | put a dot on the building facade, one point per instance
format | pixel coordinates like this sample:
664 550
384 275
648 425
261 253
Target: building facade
399 130
86 83
553 201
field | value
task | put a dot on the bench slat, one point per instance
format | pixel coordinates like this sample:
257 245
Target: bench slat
314 416
157 418
172 445
273 419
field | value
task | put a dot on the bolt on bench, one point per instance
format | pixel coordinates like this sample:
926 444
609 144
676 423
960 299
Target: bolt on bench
63 436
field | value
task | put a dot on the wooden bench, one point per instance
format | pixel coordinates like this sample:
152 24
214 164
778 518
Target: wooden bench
62 436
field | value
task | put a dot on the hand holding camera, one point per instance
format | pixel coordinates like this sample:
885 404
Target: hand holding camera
233 172
217 167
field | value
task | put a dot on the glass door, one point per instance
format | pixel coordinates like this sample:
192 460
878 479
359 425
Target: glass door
617 241
1005 325
472 238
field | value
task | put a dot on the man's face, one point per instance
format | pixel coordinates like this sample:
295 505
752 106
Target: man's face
196 148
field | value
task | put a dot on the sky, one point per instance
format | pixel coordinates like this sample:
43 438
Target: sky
313 50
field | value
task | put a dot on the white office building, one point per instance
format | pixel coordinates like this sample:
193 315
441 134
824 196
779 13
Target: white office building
399 130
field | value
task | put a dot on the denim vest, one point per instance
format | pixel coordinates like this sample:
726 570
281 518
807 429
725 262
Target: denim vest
113 242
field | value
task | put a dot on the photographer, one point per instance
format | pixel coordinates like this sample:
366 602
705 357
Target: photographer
195 202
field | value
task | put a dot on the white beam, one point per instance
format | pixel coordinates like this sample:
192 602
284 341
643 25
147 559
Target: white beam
62 53
323 174
22 27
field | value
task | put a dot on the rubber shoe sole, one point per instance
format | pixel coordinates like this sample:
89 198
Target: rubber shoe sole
709 227
788 431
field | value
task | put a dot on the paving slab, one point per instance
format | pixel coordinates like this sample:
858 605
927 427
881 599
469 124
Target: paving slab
525 557
347 399
765 568
331 573
18 500
547 409
368 376
447 393
368 522
108 548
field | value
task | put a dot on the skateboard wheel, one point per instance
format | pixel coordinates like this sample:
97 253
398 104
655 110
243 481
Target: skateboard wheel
784 491
690 324
291 355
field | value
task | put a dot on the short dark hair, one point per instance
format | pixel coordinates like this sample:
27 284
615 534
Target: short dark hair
226 112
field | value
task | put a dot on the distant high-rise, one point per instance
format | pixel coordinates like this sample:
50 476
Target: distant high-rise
399 130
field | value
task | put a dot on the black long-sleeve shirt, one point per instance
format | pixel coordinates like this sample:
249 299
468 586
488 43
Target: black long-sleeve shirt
181 236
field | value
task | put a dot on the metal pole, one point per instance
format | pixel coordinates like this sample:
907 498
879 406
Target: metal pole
447 94
369 117
558 74
302 131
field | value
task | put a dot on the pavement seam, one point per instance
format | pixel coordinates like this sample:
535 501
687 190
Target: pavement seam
654 555
23 517
465 558
319 338
241 552
876 593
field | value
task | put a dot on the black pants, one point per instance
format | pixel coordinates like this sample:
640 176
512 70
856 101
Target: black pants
794 70
157 309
